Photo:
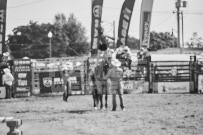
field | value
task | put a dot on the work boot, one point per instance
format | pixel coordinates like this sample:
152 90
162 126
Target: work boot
114 109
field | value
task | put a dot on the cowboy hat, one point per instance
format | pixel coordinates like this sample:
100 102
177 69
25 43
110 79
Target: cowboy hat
126 48
142 49
77 64
116 63
119 50
6 54
6 70
67 66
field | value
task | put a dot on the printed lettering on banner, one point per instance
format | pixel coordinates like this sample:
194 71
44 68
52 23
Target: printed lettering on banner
73 79
146 28
22 82
58 81
125 25
22 75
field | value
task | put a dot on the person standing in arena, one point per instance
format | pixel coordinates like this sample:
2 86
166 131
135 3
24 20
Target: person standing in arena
115 75
65 71
7 81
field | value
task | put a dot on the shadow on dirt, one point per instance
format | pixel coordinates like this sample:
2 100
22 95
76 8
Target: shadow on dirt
79 111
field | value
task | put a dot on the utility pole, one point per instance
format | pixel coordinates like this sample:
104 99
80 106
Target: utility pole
179 4
182 29
114 44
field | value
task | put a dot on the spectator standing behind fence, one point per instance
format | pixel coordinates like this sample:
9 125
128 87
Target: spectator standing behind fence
128 56
116 76
144 54
7 81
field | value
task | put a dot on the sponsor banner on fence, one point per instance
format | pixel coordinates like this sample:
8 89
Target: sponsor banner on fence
22 77
52 82
136 86
124 22
173 87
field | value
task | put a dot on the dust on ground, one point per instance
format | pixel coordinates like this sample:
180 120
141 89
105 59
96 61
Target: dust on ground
146 114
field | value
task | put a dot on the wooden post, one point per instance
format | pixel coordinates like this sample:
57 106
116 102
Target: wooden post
14 125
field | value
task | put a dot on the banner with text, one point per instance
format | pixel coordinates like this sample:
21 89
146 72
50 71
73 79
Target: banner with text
22 77
96 22
145 21
124 22
52 82
3 7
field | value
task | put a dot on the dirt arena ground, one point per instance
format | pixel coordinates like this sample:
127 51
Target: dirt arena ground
146 114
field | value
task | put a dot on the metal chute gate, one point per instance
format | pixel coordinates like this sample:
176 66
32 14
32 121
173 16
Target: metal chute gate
173 76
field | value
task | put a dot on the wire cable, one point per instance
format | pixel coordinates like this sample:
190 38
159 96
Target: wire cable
163 21
27 4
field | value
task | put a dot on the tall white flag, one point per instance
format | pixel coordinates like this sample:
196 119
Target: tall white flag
145 22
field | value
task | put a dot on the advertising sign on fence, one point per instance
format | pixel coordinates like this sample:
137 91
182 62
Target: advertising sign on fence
52 82
173 87
22 77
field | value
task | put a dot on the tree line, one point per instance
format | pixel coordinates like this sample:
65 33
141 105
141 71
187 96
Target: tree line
69 39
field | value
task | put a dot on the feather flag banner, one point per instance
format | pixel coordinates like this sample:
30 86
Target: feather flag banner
145 21
124 22
97 6
3 7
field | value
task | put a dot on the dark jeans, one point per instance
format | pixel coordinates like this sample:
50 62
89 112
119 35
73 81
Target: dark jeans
66 91
8 91
114 101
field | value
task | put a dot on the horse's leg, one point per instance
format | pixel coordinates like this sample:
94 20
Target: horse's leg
101 101
94 100
97 98
106 99
106 93
102 92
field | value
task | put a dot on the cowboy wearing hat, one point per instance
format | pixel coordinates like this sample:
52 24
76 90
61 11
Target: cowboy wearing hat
66 70
115 75
8 82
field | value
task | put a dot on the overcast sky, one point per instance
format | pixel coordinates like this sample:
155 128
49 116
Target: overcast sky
20 12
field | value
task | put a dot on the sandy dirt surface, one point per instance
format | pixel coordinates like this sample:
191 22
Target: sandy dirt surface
146 114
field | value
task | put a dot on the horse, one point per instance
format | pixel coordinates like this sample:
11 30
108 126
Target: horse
100 70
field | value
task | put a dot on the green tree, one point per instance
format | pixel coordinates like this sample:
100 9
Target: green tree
195 41
133 43
32 40
71 39
162 40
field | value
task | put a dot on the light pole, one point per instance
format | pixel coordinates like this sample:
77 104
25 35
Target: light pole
50 36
